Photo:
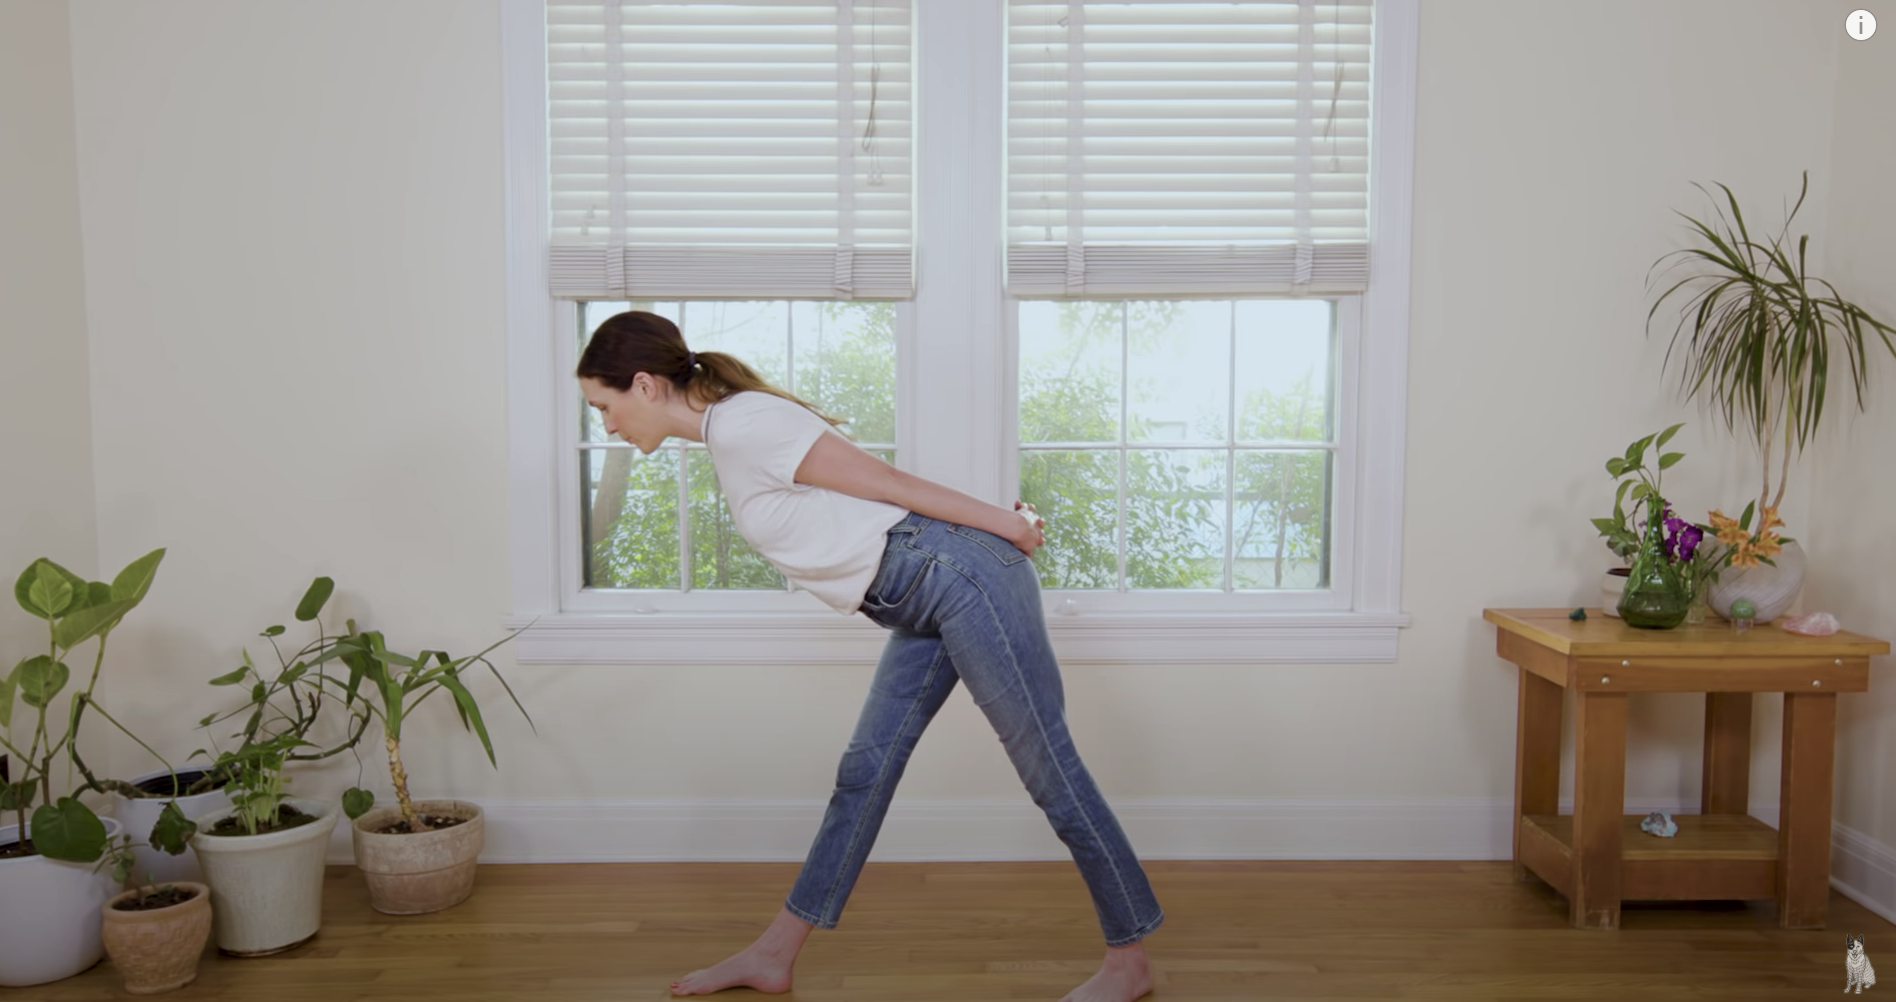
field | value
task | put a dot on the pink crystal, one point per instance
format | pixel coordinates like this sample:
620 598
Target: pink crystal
1815 624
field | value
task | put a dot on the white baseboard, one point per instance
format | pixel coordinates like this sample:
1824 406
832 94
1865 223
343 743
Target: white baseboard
1862 868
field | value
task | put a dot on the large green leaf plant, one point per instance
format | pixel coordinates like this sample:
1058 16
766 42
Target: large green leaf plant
76 612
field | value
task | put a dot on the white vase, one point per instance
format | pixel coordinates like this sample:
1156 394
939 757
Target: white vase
1771 590
266 890
139 815
49 914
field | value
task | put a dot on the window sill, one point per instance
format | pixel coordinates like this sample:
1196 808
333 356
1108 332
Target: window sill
828 639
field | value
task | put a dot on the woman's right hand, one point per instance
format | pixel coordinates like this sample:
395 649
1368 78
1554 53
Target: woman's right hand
1030 534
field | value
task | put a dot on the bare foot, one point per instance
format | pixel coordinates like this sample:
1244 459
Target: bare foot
752 968
1123 977
764 965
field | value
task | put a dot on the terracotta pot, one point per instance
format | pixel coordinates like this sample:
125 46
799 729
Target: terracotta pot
412 874
158 950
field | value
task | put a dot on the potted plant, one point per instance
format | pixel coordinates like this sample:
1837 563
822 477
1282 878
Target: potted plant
49 895
1624 531
263 856
194 790
417 857
155 932
1762 334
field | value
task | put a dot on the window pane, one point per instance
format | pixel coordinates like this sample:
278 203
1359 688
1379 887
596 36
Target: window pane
1286 357
1178 364
1175 518
1077 495
720 558
1282 527
1174 526
1070 364
845 354
631 522
757 333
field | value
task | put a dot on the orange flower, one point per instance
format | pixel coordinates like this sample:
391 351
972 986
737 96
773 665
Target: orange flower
1766 546
1768 520
1743 556
1727 529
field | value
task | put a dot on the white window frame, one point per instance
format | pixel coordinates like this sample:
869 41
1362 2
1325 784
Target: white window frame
959 329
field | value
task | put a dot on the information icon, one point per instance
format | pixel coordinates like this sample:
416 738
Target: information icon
1861 24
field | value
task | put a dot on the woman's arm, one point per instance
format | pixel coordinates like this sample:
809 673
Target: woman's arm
838 465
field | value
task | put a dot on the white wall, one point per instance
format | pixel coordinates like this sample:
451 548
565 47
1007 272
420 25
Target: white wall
292 273
1855 462
46 494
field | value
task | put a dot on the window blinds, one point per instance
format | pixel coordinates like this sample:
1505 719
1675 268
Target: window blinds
1170 147
729 150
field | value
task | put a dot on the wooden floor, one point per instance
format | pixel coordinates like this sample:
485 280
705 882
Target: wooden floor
1021 931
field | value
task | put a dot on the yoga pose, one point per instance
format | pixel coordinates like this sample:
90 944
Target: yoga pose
947 575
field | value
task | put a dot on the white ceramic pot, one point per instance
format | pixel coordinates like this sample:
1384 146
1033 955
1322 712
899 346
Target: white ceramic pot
413 874
1612 586
266 890
49 914
1771 589
138 816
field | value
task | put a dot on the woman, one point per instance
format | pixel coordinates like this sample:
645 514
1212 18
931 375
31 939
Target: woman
948 575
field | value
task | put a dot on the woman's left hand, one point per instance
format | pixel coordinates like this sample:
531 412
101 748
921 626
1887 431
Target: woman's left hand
1030 535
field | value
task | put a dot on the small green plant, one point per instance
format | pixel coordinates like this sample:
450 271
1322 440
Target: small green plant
75 611
1636 481
279 718
396 685
171 834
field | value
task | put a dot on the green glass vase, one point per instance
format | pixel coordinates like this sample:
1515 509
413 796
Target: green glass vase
1657 595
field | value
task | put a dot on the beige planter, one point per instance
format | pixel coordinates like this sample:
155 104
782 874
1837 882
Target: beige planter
266 890
158 950
413 874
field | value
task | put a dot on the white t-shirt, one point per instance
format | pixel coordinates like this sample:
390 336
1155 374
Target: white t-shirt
828 543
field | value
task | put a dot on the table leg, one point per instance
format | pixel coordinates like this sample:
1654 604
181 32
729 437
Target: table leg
1725 783
1810 745
1536 756
1599 802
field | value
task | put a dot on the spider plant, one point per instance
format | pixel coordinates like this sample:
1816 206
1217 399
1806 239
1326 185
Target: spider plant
1763 333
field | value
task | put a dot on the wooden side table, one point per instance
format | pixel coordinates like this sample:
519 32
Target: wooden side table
1597 856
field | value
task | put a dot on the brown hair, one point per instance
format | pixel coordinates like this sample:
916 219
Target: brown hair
627 344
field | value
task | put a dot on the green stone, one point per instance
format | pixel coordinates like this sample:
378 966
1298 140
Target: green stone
1743 609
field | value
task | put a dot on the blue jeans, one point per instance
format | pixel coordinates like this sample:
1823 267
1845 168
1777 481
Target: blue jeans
963 604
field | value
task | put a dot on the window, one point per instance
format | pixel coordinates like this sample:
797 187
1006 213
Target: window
1199 384
1181 446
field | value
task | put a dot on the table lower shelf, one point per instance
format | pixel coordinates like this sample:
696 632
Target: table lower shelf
1713 857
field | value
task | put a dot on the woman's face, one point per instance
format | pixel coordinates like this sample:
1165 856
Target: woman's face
634 414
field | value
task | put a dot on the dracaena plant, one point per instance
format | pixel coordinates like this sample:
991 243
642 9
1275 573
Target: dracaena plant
76 611
280 718
1763 333
391 686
